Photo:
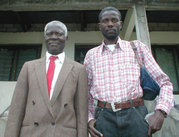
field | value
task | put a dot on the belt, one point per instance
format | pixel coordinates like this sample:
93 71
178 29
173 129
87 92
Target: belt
118 106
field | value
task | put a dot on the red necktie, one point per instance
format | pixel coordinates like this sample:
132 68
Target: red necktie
50 72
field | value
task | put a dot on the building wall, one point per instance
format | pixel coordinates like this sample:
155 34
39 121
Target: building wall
77 37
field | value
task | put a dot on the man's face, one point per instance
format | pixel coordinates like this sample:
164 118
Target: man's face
55 39
110 24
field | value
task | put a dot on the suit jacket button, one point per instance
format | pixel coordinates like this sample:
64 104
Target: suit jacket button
52 123
65 105
36 124
33 102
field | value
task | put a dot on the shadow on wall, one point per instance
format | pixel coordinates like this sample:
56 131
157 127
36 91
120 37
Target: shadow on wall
171 123
3 120
6 92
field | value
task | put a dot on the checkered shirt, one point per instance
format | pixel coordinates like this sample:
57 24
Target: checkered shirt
114 76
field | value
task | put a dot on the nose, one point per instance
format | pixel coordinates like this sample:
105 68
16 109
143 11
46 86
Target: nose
110 23
53 36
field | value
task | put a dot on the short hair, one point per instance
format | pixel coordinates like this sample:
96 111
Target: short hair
108 9
62 25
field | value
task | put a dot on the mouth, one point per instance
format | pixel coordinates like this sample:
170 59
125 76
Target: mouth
111 31
53 43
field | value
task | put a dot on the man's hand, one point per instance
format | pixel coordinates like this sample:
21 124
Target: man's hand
93 132
155 122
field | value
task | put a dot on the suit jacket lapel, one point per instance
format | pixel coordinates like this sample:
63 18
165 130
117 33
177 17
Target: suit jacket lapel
65 70
40 69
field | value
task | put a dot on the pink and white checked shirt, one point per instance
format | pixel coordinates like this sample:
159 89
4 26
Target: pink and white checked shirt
115 76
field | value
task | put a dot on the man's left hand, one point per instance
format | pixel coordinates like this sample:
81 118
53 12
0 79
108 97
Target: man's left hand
155 122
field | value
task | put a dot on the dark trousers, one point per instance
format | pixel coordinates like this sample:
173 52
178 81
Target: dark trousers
123 123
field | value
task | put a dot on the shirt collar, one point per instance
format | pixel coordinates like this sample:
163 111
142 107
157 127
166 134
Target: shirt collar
118 44
61 57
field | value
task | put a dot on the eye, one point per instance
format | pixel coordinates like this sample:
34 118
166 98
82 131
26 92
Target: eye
59 34
105 21
115 20
49 33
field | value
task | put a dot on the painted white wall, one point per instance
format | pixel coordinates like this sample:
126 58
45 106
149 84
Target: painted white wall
77 37
6 92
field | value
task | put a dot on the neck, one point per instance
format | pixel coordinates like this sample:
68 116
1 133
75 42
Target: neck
110 41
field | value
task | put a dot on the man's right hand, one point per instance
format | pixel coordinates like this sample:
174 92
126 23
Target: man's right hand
93 132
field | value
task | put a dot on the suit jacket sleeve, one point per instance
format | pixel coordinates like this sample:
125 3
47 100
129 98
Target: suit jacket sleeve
18 104
81 103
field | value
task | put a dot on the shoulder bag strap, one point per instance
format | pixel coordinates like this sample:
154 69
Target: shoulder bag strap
136 54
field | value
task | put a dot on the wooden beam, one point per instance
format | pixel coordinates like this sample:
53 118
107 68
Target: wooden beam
141 24
129 24
83 20
48 5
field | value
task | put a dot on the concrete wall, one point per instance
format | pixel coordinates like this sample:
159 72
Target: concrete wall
77 37
6 92
92 37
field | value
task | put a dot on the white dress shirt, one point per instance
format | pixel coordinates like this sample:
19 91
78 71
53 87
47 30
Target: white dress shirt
58 66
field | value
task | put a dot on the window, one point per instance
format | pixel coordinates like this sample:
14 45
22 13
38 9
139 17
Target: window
81 50
168 59
12 58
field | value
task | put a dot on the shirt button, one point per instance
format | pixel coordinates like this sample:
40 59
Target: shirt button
36 124
65 105
33 102
52 123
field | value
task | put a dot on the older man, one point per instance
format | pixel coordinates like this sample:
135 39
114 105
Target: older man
50 98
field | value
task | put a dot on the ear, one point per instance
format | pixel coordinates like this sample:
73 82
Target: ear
66 37
45 36
121 24
99 26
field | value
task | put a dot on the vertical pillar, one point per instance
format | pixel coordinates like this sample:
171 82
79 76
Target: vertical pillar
141 24
129 24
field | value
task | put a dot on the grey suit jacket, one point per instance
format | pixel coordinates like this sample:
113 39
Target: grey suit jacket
33 114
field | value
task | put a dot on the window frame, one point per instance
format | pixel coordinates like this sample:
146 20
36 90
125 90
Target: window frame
174 49
15 57
82 46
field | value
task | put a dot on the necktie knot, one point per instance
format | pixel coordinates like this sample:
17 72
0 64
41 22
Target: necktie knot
53 58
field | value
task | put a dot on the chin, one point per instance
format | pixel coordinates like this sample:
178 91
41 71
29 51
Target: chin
111 37
54 53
